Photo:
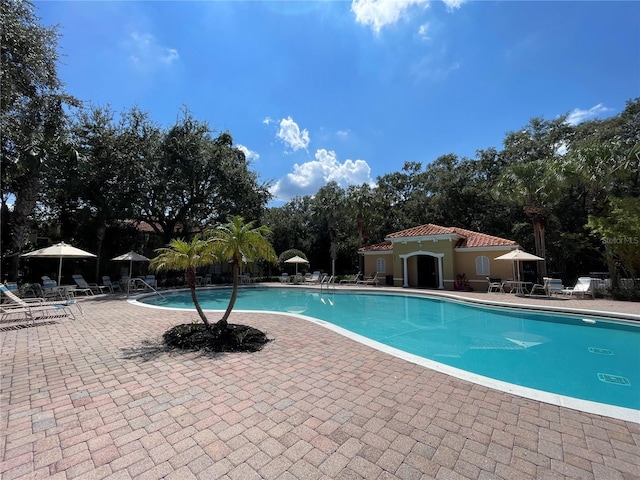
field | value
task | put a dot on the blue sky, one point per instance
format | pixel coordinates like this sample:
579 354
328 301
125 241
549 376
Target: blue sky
350 90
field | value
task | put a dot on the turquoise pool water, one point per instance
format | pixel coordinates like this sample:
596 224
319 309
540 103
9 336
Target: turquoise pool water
575 356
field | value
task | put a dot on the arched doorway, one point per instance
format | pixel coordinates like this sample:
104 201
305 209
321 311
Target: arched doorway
426 270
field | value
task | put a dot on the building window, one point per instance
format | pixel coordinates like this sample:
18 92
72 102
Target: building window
482 266
380 265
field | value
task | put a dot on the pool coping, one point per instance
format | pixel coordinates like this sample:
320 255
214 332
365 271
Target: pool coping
621 413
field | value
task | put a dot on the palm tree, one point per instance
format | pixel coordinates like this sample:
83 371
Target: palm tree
187 256
237 242
532 185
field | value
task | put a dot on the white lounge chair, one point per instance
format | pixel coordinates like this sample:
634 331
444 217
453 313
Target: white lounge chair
373 280
313 278
582 288
34 308
86 287
549 287
352 279
284 278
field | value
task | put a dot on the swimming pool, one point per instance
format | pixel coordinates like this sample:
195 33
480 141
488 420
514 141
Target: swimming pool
567 356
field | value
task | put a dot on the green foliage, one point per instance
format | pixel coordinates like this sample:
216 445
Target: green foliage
32 117
236 242
194 181
619 231
186 256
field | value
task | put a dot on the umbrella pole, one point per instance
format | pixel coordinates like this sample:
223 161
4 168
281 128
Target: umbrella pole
130 273
60 272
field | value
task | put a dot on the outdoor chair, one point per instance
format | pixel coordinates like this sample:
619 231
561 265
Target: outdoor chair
151 281
351 279
549 287
284 278
314 278
85 287
34 308
373 280
111 286
50 290
495 285
582 288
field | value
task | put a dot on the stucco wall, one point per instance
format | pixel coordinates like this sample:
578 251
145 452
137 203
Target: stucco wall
370 264
465 262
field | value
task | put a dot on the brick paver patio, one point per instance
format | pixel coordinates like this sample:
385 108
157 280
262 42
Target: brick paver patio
98 398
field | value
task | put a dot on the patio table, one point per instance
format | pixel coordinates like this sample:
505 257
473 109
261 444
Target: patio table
517 287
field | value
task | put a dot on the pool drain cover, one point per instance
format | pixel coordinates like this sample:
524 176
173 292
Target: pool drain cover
615 379
601 351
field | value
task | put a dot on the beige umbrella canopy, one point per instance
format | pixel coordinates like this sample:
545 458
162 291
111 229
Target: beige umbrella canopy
59 250
516 256
131 257
297 259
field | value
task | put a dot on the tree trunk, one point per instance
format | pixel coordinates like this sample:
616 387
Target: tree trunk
538 232
23 207
611 266
190 276
100 236
223 322
538 219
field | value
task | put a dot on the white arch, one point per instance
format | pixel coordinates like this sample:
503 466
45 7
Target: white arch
439 256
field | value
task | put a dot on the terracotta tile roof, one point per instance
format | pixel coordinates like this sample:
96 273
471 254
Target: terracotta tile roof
467 238
378 247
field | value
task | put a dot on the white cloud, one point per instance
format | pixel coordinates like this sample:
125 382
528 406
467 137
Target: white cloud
250 155
453 4
307 178
423 31
343 134
380 13
146 54
267 120
578 115
291 135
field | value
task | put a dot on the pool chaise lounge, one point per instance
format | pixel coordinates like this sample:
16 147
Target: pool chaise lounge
34 308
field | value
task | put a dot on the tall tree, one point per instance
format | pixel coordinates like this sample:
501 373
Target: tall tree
531 175
328 212
32 116
98 186
196 181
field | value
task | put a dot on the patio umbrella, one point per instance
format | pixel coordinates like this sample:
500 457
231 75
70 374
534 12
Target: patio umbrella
131 257
59 250
516 256
297 259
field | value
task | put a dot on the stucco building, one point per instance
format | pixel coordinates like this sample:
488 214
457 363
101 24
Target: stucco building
431 256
